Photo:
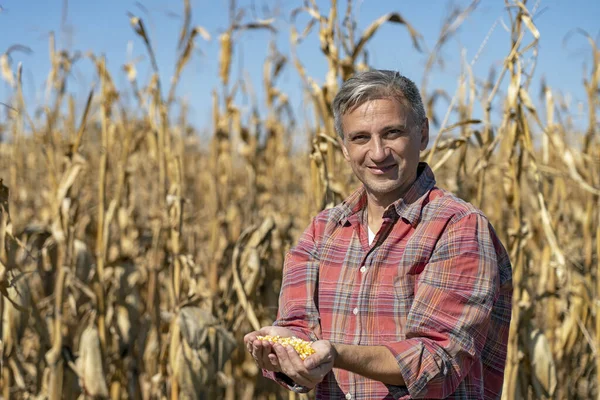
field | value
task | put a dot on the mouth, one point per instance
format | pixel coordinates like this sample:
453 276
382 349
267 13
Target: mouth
383 169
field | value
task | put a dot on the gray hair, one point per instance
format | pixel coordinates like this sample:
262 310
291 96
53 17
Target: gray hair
372 85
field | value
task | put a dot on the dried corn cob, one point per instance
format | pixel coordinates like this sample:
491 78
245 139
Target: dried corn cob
302 347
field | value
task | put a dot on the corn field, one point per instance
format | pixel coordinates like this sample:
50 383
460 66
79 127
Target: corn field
134 255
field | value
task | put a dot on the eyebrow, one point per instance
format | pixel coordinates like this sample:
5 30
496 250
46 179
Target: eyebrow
386 128
356 133
395 126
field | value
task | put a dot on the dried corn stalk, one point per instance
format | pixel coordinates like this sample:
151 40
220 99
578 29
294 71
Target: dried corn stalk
198 350
15 312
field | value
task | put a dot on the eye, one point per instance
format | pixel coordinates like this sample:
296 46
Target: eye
360 138
394 133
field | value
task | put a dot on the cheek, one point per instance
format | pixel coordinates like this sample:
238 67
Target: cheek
409 150
403 150
357 155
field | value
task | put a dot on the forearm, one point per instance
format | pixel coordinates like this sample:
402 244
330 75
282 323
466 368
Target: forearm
373 362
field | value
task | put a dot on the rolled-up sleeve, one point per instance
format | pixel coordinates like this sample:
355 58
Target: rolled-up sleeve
450 316
297 310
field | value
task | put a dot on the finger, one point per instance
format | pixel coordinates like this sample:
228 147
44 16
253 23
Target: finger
274 362
319 372
266 346
312 361
262 349
287 367
291 367
323 354
316 359
266 331
296 361
248 339
257 354
314 375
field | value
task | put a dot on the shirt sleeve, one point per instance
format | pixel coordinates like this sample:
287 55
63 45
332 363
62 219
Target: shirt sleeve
297 309
451 313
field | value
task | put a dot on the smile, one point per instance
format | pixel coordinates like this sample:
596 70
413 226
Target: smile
382 170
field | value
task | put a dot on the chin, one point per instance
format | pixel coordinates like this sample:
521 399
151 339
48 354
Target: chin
382 190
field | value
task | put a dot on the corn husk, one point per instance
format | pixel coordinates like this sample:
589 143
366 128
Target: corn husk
90 364
198 350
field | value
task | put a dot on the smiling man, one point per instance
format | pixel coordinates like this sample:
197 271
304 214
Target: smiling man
403 288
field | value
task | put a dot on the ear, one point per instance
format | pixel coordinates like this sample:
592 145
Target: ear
342 143
424 134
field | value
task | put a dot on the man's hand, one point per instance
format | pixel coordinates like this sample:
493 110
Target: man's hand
313 369
262 350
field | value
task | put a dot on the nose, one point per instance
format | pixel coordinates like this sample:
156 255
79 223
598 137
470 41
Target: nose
379 150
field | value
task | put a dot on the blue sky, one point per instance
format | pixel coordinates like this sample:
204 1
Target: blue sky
103 27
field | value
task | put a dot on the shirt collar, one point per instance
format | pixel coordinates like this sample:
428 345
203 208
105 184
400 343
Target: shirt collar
408 207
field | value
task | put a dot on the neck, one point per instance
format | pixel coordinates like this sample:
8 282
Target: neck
375 209
377 203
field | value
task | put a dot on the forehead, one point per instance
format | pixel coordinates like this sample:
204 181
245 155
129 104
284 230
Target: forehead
384 110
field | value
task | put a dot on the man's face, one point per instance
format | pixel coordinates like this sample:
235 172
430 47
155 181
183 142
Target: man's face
382 142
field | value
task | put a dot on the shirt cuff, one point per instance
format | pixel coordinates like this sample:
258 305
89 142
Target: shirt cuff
285 381
409 354
398 392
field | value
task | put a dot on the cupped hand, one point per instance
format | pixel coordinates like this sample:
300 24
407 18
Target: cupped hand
262 350
324 354
313 369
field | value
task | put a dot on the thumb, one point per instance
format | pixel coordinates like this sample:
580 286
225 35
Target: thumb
312 361
265 331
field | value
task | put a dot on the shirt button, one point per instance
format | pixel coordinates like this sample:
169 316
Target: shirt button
355 311
348 396
363 269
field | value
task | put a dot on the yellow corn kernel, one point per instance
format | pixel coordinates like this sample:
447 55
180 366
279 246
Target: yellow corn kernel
302 347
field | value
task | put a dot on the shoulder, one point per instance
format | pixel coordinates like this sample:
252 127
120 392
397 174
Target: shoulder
329 219
446 206
466 221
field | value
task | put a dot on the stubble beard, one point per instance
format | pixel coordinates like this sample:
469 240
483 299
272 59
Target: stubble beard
384 188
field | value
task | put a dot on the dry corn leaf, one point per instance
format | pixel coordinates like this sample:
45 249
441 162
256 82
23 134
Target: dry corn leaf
184 58
84 261
260 24
526 18
187 19
128 304
198 350
542 363
140 28
6 70
90 364
375 25
15 312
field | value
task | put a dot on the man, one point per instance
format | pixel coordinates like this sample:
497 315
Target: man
404 289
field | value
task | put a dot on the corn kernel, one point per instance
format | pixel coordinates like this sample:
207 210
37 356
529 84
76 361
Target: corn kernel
302 347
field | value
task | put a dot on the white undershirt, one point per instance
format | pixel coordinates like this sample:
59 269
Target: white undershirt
371 236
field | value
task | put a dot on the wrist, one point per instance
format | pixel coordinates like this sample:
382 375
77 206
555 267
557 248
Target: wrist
335 353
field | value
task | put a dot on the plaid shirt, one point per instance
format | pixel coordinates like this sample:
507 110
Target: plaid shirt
434 287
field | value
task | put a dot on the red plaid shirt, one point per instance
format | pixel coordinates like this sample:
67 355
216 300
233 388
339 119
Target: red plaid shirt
434 287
